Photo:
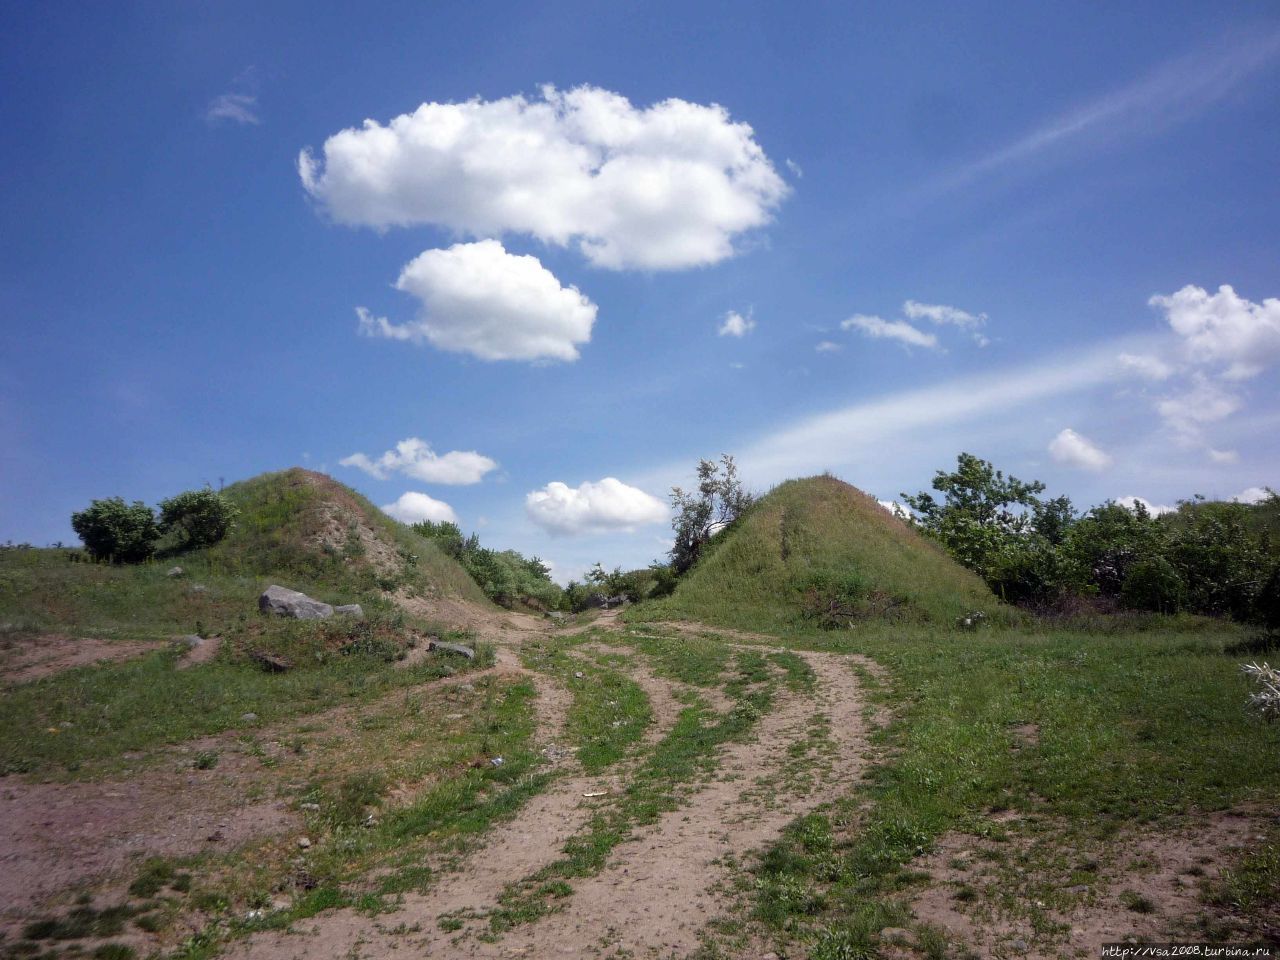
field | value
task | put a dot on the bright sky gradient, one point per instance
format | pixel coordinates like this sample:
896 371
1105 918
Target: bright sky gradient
523 265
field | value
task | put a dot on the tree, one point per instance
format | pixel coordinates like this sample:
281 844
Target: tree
199 518
720 501
118 532
983 514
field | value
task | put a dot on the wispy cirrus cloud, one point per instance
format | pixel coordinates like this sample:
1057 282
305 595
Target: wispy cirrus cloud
878 328
239 108
1171 94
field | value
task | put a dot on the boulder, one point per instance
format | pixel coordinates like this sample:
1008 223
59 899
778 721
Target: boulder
596 601
557 616
349 610
457 648
290 603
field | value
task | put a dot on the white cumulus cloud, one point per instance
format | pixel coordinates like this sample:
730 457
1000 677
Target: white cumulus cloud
665 187
736 325
415 458
1224 329
1155 509
827 346
593 507
479 299
413 507
1252 495
1070 448
899 330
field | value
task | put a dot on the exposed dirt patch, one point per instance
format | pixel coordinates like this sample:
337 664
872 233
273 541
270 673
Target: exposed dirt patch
57 835
1142 886
26 657
202 652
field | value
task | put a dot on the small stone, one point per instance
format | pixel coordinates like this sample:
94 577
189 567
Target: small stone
174 572
310 806
1078 888
190 641
1020 945
249 717
895 933
304 842
350 610
577 674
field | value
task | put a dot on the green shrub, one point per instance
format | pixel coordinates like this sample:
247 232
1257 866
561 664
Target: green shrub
115 531
1154 584
197 518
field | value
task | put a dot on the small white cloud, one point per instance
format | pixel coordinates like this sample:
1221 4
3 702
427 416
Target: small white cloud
897 509
941 314
827 346
233 108
899 330
1224 329
667 187
1223 456
1205 402
794 168
1073 450
481 300
415 507
1155 509
736 325
734 365
1146 366
593 507
1252 495
415 458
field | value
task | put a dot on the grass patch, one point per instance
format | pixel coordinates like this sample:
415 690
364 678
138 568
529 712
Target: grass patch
101 712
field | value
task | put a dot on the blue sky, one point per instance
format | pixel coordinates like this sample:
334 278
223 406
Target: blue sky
583 245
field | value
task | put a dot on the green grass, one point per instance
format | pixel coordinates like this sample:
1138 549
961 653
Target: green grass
816 541
610 711
1135 730
99 713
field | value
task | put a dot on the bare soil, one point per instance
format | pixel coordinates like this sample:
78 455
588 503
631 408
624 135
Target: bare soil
26 657
1148 888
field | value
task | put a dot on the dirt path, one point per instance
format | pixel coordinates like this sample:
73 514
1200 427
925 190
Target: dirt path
658 891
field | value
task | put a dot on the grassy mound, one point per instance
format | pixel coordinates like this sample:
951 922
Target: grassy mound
820 553
297 528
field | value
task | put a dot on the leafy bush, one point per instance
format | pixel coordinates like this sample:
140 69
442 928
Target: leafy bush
118 532
506 576
1153 583
197 518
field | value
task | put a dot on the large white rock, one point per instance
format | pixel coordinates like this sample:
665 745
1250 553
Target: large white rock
284 602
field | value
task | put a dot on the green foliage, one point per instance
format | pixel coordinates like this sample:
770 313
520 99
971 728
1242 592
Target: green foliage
197 518
505 576
117 532
1219 558
1153 584
981 514
719 502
